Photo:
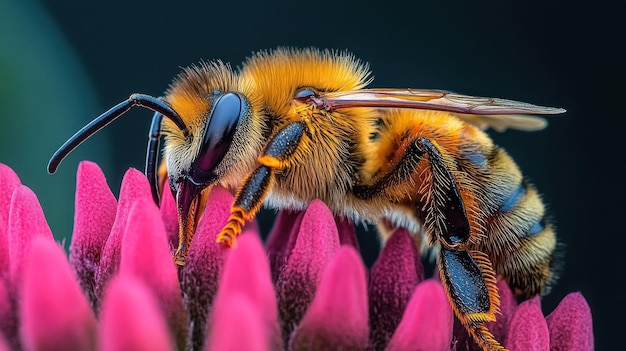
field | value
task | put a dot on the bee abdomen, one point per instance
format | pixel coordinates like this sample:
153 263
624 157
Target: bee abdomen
521 238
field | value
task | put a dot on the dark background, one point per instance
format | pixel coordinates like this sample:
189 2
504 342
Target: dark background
555 53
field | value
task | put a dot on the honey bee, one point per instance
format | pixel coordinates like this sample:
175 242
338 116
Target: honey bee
294 125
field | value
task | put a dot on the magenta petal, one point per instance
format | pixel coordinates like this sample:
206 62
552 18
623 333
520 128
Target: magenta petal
427 321
26 221
315 245
8 318
393 278
5 305
205 261
93 219
169 213
8 182
462 339
570 324
508 306
499 328
54 314
282 238
337 318
528 330
4 345
145 255
240 326
134 186
247 275
130 318
347 232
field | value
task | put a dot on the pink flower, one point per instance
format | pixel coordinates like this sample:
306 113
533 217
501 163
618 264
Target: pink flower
306 288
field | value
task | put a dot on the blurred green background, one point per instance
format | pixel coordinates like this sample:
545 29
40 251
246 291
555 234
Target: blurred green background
62 63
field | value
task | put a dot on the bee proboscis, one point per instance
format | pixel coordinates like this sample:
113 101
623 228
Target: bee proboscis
292 126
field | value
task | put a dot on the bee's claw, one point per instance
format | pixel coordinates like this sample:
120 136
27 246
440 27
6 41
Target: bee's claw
180 256
228 235
179 259
227 239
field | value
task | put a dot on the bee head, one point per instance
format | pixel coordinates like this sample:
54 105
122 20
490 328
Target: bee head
222 140
222 130
198 155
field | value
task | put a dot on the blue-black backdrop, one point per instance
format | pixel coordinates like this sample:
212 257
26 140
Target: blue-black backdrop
556 53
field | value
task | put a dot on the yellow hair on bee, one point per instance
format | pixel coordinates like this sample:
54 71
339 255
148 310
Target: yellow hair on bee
189 91
190 95
400 129
277 74
399 126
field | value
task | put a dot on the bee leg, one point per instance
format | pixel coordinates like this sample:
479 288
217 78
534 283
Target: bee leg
249 198
470 283
247 203
467 276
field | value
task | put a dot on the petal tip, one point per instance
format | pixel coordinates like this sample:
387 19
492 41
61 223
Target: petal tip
332 323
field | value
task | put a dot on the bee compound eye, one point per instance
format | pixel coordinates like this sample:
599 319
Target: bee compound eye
218 135
305 93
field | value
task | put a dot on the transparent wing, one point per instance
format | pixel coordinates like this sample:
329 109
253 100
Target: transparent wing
501 123
483 112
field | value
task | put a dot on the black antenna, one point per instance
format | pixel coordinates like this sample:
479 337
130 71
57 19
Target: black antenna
152 155
157 105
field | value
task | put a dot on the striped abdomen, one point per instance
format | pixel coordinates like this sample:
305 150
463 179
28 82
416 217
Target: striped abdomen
521 241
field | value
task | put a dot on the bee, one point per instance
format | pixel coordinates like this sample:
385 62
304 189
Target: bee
293 125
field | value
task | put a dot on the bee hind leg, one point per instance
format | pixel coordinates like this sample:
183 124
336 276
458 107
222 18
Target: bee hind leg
470 284
467 275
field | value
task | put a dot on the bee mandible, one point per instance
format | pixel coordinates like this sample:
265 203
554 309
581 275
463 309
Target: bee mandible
294 125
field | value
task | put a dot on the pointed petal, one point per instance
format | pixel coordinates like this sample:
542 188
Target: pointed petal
93 219
282 238
4 345
145 255
508 306
26 221
134 186
238 327
315 245
247 275
130 318
393 278
347 232
54 314
570 324
528 330
169 213
8 316
337 318
205 261
462 339
9 181
427 321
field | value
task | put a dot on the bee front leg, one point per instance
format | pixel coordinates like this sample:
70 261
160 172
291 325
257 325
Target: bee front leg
249 198
247 203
